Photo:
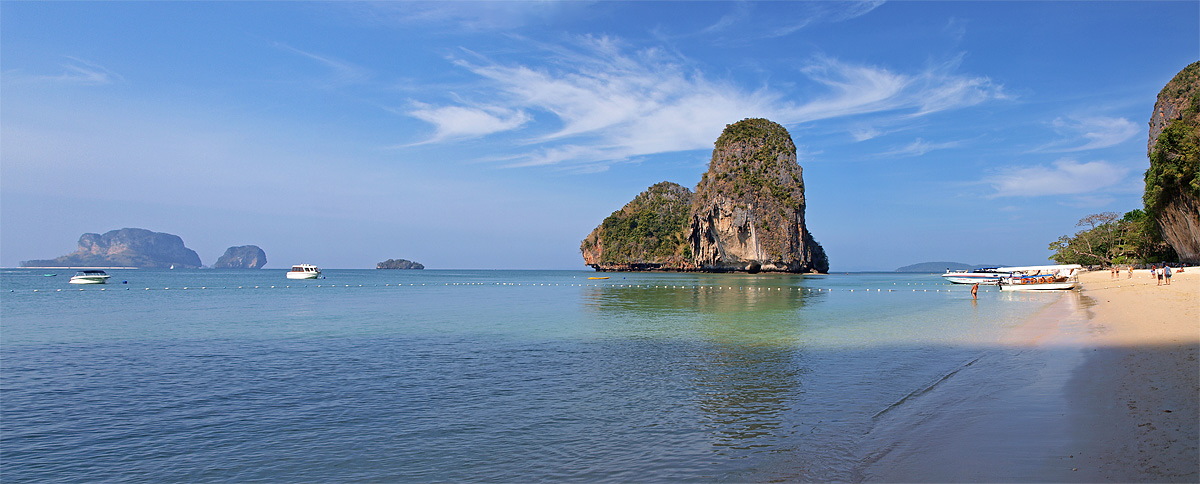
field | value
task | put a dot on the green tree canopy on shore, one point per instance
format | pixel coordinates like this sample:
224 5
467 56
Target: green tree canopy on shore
1113 239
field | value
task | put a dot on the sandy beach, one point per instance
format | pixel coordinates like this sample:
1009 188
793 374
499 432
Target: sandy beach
1136 394
1100 386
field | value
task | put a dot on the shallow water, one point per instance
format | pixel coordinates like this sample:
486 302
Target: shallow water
371 375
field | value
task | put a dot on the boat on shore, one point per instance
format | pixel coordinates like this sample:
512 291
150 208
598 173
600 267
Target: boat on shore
89 277
984 275
1041 278
304 271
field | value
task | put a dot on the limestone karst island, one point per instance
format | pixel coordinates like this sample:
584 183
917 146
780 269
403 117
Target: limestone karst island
141 248
746 215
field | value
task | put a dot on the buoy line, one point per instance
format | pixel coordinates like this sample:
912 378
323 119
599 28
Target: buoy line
798 289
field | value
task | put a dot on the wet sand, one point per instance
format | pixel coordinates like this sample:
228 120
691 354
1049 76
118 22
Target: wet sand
1100 386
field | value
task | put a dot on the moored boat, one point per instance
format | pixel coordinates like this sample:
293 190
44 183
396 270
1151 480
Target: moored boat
89 277
1041 278
984 275
304 271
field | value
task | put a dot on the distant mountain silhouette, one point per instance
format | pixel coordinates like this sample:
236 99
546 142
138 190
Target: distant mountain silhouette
127 247
943 266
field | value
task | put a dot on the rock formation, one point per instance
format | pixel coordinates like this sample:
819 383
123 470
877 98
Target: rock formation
747 214
399 264
1172 194
648 233
126 248
242 257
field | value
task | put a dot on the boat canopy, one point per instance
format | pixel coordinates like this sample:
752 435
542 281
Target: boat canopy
1064 267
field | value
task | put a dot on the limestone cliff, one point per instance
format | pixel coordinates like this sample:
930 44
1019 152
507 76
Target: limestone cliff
748 211
648 233
242 257
747 214
1172 194
126 248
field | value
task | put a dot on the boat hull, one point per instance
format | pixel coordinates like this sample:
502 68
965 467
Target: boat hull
303 275
990 280
89 280
1049 286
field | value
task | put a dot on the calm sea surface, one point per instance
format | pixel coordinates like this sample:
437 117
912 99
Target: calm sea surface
369 375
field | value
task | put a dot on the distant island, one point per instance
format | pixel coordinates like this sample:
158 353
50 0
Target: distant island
943 266
746 215
128 247
242 257
399 264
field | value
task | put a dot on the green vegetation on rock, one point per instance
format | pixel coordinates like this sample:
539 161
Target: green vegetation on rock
1175 160
651 229
1172 196
399 264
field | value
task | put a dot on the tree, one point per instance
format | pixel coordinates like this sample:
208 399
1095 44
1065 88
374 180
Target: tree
1131 238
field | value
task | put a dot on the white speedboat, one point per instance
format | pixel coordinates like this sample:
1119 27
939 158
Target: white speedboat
985 275
304 271
89 277
1041 278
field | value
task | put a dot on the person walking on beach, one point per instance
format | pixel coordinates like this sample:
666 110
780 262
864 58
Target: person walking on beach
1167 273
1130 273
1157 274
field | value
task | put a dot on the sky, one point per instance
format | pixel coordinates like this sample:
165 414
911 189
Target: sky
497 135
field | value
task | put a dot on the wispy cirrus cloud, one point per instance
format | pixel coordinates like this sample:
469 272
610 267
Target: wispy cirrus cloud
745 23
920 147
614 105
1089 133
456 122
1063 177
77 71
340 72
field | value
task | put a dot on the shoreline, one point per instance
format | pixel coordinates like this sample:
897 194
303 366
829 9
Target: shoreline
1100 385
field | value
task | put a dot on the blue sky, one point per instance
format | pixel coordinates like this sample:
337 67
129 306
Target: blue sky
498 134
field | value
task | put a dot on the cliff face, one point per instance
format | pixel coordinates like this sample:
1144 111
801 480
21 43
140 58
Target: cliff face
648 233
1172 194
126 248
748 211
747 214
242 257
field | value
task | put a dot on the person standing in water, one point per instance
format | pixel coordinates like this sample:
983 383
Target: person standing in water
975 291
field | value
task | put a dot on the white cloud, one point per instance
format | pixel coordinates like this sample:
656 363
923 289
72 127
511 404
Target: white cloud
454 122
470 16
341 72
1063 177
1089 133
920 147
786 18
77 71
611 105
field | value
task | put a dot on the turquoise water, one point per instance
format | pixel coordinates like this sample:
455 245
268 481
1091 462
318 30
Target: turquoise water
369 375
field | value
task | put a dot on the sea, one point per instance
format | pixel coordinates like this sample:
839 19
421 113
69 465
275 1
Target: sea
473 375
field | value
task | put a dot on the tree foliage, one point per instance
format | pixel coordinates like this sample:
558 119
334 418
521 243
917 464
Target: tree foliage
651 228
1113 239
1175 162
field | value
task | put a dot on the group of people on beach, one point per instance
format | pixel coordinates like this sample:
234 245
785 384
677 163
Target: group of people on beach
1160 272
